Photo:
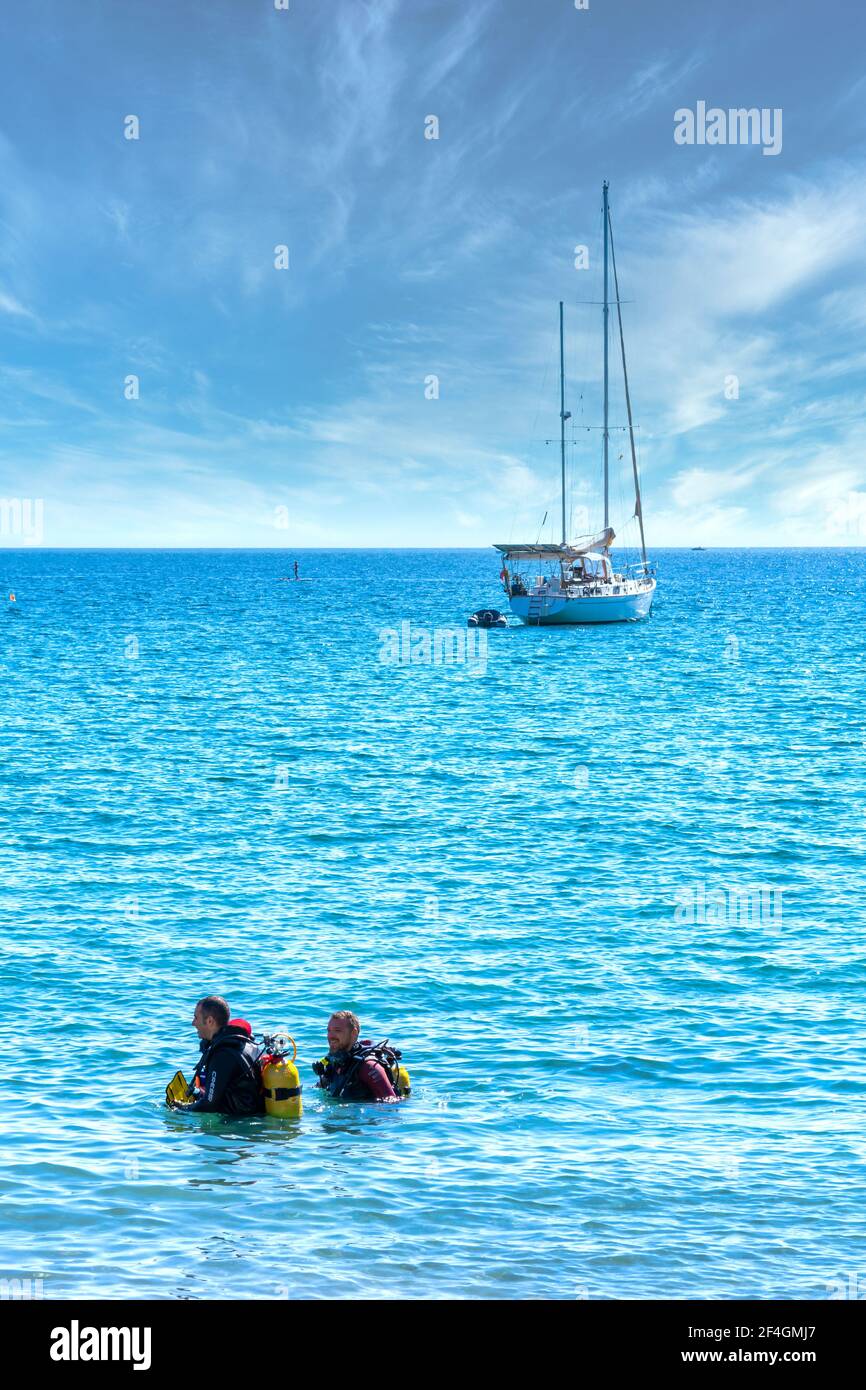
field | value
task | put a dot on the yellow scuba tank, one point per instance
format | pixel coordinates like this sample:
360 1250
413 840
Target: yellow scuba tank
403 1086
280 1079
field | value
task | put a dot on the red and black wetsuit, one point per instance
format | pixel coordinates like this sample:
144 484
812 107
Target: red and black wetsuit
373 1076
356 1076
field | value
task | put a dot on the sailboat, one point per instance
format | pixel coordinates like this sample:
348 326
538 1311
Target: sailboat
578 582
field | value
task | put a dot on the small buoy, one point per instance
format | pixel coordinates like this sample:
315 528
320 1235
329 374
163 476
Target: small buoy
12 598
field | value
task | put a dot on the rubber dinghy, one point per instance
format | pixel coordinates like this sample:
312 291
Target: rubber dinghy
487 617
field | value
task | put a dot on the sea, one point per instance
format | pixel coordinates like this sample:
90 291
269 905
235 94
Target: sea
602 886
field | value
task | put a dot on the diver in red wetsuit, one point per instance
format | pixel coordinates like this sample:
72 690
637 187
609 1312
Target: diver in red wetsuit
354 1070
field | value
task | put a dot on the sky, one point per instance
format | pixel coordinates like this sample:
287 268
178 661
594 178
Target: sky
163 382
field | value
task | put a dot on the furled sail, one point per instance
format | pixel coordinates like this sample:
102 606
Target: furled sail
582 546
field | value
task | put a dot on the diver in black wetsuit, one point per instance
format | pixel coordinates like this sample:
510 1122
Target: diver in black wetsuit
228 1078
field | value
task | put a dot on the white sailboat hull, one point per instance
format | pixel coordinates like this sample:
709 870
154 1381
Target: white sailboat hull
549 609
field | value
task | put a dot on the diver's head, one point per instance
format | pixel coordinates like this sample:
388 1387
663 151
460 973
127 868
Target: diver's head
211 1014
343 1030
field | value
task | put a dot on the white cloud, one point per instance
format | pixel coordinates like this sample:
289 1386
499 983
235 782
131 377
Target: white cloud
10 305
696 487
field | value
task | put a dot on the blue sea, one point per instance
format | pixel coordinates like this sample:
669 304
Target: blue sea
603 886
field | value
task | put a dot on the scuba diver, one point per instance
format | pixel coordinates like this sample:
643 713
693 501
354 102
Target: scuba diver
362 1070
227 1079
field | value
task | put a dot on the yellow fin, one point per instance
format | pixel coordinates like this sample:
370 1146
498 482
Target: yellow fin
177 1089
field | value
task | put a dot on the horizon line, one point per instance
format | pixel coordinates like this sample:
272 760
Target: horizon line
326 549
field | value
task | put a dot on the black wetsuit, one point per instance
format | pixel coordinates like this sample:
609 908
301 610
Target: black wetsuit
229 1074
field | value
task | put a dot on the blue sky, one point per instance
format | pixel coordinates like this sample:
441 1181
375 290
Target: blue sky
288 407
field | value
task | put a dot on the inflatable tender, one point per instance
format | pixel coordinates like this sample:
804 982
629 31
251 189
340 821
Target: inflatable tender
487 617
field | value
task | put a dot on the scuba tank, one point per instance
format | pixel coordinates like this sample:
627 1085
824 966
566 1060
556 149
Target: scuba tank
280 1080
391 1059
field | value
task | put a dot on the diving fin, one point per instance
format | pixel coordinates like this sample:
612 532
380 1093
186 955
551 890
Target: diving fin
177 1089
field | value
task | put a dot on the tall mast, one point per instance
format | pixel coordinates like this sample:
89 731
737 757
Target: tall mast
638 506
562 415
606 437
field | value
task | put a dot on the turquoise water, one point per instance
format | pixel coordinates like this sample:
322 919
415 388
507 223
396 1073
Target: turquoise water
211 781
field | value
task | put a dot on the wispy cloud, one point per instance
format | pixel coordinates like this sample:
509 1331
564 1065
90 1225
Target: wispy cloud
10 305
412 258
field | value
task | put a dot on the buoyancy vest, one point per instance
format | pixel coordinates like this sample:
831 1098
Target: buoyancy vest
243 1094
339 1075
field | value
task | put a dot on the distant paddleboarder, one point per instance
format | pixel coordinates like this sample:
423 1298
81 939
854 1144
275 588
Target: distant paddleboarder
294 577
